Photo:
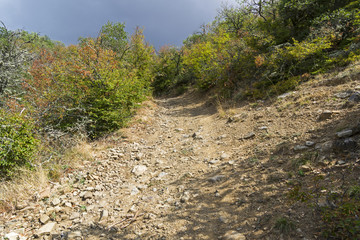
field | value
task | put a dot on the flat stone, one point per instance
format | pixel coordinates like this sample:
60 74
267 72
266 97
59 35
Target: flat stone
217 178
139 170
55 201
104 215
44 218
305 168
134 191
233 235
224 156
345 133
355 97
309 143
300 148
46 229
75 235
75 215
249 135
14 236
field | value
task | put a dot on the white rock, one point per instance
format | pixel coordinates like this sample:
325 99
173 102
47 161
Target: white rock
46 229
14 236
55 202
139 170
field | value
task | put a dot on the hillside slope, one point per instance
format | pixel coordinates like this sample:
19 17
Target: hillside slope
189 169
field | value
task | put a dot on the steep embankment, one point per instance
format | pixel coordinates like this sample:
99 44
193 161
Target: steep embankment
187 169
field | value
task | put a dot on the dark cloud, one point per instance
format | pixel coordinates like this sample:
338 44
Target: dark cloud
165 21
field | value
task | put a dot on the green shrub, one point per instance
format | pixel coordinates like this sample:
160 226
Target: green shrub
18 142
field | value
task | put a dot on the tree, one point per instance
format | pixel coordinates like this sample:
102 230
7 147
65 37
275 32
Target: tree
113 36
13 63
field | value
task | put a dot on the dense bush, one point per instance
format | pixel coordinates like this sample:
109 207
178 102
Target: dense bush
83 85
18 141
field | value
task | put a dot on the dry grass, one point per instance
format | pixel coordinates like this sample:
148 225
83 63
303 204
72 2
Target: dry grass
27 184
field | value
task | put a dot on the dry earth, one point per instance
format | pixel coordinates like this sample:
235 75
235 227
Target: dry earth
188 169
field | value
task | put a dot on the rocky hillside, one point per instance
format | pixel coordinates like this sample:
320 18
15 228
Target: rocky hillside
189 168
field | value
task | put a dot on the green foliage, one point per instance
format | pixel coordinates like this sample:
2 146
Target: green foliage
114 37
168 70
284 225
86 87
18 141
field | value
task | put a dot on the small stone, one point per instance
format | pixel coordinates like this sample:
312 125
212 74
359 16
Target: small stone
355 97
341 162
214 161
75 215
185 197
44 219
217 178
300 148
264 128
139 170
75 235
224 156
55 201
104 215
46 229
87 195
233 235
343 95
325 115
135 191
309 143
305 168
344 133
162 175
249 135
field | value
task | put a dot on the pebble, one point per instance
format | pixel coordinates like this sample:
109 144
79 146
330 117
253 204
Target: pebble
139 170
300 147
234 235
249 135
217 178
44 219
224 156
55 201
46 229
325 115
75 235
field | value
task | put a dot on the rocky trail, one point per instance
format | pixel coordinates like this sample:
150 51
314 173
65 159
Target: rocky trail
188 170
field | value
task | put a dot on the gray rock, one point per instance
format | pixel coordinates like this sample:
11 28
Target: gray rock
233 235
139 170
300 148
309 143
325 147
345 145
355 97
249 135
217 178
341 162
343 95
345 133
46 229
135 191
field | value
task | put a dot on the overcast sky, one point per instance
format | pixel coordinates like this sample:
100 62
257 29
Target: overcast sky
165 21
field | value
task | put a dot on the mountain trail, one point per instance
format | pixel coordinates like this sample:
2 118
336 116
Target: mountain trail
184 170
